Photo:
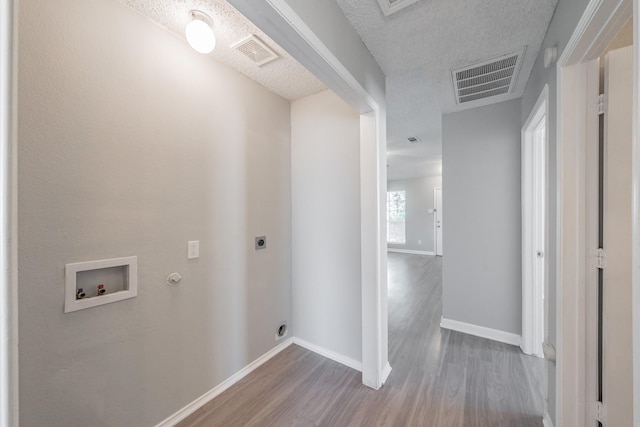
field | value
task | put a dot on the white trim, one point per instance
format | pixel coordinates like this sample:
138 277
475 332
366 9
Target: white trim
410 251
481 331
591 143
287 13
329 354
192 407
386 372
598 25
635 245
9 409
222 387
532 296
546 420
373 255
388 8
579 33
570 275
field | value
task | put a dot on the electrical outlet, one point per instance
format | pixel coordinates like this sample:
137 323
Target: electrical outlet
281 330
193 249
261 242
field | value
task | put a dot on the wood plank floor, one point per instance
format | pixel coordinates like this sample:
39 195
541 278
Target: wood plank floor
439 377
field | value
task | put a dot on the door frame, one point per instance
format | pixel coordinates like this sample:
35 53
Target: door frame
437 207
8 220
635 238
598 25
534 312
283 25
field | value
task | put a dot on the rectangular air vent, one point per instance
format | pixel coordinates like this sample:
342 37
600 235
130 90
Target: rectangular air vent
391 6
493 77
256 50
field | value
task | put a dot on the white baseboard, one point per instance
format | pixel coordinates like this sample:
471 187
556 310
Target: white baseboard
481 331
546 420
329 354
386 372
199 402
220 388
410 251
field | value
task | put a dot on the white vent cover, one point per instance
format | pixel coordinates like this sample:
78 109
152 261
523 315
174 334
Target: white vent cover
493 77
256 50
391 6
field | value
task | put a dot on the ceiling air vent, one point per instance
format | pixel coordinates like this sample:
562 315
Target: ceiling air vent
413 139
493 77
256 50
391 6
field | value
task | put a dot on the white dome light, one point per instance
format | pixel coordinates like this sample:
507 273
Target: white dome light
199 33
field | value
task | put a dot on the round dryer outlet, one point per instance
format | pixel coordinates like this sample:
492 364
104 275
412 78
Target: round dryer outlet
281 331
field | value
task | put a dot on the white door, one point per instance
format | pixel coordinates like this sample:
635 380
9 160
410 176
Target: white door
534 213
617 363
437 196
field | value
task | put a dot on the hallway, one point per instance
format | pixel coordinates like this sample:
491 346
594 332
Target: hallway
439 377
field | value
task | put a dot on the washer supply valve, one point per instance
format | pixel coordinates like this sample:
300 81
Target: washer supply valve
101 290
80 293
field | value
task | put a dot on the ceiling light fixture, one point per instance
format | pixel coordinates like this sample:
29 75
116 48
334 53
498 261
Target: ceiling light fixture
199 32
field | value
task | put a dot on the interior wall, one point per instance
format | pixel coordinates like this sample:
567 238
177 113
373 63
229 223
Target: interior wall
325 197
481 272
419 222
327 21
131 143
561 27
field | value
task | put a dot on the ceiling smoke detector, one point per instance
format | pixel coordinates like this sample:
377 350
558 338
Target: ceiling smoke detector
413 139
256 50
392 6
495 77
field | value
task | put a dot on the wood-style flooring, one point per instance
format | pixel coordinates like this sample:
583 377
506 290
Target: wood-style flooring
439 377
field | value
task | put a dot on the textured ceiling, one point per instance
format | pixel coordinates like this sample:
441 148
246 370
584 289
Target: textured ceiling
284 76
418 46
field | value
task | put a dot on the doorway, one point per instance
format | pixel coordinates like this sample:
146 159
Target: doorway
534 226
438 224
579 153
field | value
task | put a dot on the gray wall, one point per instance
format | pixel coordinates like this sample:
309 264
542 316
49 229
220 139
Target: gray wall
481 271
419 222
565 19
325 197
131 143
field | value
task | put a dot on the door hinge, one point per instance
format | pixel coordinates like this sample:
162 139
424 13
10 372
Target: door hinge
600 412
600 258
601 104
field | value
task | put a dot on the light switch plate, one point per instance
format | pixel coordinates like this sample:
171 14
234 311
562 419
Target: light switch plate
193 249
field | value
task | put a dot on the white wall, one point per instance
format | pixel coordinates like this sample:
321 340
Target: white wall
419 222
325 202
481 271
131 143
